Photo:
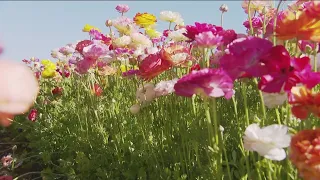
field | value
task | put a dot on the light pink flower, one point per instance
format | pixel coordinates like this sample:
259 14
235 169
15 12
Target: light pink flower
19 88
164 88
96 50
6 160
122 8
207 39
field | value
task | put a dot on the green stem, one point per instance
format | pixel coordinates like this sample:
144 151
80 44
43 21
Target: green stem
275 24
249 17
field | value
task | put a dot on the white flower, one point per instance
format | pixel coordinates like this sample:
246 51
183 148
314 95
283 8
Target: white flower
171 17
272 100
140 41
122 41
177 35
165 87
152 50
268 141
146 93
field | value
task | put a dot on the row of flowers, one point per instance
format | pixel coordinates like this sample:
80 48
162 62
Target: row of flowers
280 50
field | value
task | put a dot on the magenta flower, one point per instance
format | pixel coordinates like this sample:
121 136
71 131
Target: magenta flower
130 73
122 8
285 72
84 65
205 82
244 57
207 39
257 23
95 34
192 31
305 45
228 36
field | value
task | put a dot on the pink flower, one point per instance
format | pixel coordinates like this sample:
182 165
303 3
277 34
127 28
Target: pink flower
207 39
285 72
129 73
19 88
6 160
84 65
95 34
1 49
305 46
33 115
122 8
244 57
95 51
192 31
257 23
206 82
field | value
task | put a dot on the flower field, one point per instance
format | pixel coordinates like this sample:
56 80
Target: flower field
194 102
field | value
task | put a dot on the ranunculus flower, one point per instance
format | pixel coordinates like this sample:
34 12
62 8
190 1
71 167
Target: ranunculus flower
208 40
272 100
122 8
177 36
304 102
95 50
304 153
88 27
198 28
153 65
6 160
244 57
206 83
82 44
124 25
140 41
19 89
285 72
144 19
57 91
298 25
152 33
164 88
32 116
306 46
97 90
173 17
268 141
177 54
49 70
228 36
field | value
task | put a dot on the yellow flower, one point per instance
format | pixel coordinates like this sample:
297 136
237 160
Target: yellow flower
145 19
49 69
124 68
152 33
88 27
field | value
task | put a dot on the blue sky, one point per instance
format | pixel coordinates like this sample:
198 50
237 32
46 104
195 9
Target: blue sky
30 29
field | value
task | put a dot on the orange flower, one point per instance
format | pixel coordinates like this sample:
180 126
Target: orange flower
153 65
305 153
304 102
302 24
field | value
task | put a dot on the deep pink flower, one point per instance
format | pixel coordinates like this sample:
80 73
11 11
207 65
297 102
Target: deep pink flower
131 72
95 34
122 8
166 32
33 115
207 39
257 23
84 65
205 82
57 91
304 44
192 31
285 72
244 57
82 44
228 36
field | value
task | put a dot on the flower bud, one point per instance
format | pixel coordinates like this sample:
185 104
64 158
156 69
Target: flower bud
223 8
135 109
108 23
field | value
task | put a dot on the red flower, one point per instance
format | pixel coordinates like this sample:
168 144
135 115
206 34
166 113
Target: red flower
33 115
153 65
195 67
97 90
83 44
6 178
57 91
